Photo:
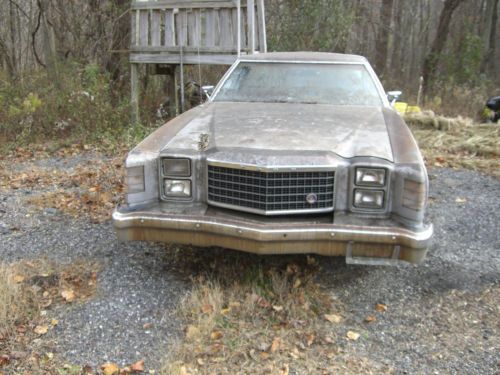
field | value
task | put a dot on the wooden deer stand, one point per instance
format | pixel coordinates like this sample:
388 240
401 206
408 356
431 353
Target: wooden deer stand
172 33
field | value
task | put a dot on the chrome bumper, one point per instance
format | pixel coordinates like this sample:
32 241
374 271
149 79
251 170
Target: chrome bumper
360 244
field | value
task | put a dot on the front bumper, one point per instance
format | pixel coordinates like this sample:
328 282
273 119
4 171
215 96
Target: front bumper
360 244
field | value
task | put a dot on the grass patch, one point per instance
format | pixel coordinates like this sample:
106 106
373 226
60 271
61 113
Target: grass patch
247 317
457 142
29 292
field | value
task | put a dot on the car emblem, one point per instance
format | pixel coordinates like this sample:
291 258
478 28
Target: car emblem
311 198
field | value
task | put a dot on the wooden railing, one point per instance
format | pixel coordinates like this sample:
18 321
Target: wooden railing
206 32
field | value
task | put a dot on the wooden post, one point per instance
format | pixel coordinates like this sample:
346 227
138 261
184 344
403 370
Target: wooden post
134 97
251 25
172 91
262 26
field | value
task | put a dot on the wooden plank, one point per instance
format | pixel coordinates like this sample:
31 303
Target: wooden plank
188 59
243 33
187 49
134 94
133 28
179 4
234 26
210 28
197 23
194 27
169 28
225 20
155 28
251 25
261 14
181 27
144 28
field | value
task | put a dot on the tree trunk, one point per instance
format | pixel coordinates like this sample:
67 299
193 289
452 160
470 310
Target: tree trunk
381 44
488 63
49 44
432 60
120 39
13 52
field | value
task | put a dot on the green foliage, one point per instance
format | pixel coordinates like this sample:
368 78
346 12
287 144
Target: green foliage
80 105
309 25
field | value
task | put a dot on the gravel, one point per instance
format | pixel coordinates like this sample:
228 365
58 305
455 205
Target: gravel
442 316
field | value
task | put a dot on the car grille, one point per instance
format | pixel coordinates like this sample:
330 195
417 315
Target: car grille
270 192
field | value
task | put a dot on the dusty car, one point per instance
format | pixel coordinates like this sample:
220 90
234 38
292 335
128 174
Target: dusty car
292 153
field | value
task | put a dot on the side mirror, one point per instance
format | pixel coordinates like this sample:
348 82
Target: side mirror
208 91
393 96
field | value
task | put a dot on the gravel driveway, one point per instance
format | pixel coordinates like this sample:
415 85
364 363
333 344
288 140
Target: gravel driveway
442 316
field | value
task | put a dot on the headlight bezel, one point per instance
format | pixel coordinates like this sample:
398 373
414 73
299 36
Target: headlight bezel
173 173
358 173
367 206
385 173
166 174
171 194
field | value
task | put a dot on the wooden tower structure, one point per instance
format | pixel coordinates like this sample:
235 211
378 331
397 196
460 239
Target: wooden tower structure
172 33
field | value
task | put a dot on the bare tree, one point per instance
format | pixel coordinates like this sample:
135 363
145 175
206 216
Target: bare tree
432 60
381 44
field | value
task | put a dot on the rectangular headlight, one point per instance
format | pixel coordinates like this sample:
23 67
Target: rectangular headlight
370 177
134 179
371 199
176 167
178 188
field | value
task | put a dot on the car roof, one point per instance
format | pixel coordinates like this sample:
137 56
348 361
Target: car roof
305 56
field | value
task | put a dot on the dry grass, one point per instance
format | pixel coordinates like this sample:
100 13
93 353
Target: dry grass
13 307
246 318
29 291
457 142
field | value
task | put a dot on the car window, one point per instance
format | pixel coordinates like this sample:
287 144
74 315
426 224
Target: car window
336 84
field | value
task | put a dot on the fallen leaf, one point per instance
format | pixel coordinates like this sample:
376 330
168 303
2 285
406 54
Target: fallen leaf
200 361
380 307
4 359
276 344
460 200
110 369
285 370
18 279
352 335
68 295
370 319
54 322
278 308
333 318
147 325
192 332
41 330
292 268
295 354
297 283
206 309
310 339
264 355
225 311
216 335
138 366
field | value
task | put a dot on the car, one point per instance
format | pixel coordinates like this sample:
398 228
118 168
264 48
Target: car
294 152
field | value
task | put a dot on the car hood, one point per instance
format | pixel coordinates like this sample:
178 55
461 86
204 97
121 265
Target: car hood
348 131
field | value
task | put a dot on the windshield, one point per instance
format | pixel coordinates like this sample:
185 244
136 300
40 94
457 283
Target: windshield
335 84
